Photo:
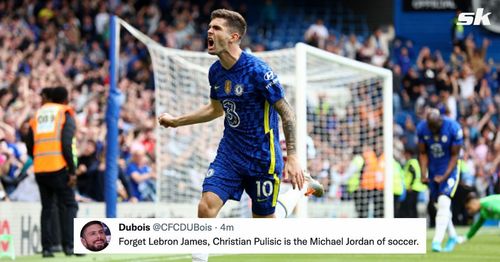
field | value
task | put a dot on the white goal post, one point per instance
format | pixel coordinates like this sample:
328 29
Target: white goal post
345 69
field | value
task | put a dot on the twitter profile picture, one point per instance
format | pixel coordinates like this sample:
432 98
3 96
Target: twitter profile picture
95 236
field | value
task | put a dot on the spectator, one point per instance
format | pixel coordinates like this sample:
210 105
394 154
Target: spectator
58 177
366 52
404 60
142 177
102 19
351 47
476 56
87 171
317 34
467 82
380 41
457 58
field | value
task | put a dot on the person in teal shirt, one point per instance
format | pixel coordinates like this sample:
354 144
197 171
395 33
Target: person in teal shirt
488 208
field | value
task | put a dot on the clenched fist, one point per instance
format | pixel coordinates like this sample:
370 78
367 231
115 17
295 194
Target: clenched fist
167 120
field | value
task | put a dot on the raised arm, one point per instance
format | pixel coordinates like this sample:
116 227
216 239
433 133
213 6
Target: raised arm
292 165
206 113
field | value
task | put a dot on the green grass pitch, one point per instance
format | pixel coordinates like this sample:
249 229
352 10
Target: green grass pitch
485 246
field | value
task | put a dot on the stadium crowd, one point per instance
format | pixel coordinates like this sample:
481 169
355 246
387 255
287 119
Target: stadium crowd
64 43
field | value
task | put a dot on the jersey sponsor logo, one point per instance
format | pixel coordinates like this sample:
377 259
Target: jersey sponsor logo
274 81
233 119
426 137
227 86
436 150
238 89
444 139
216 87
269 75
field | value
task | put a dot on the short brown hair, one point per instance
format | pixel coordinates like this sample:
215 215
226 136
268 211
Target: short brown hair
233 20
93 222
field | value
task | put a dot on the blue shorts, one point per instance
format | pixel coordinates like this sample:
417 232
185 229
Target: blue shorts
447 187
228 183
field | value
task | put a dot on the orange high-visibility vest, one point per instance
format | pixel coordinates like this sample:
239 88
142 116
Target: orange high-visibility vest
373 173
47 130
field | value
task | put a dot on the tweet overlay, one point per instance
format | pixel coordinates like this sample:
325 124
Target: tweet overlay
244 235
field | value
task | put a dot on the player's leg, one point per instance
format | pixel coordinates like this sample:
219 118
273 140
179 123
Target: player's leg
446 190
452 236
443 217
313 186
263 189
210 205
434 201
289 200
449 188
221 183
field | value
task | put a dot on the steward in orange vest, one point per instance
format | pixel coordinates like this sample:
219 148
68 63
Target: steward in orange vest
47 127
49 143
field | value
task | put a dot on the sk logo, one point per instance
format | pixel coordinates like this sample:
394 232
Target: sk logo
227 87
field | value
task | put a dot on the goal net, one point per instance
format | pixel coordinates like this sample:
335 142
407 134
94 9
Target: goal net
340 105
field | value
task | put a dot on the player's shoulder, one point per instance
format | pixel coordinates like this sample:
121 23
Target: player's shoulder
214 67
422 126
452 124
256 63
491 198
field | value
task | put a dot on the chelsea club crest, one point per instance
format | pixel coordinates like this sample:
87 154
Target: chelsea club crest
238 90
210 173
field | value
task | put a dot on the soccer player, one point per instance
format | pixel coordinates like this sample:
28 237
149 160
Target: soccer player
248 92
439 142
488 208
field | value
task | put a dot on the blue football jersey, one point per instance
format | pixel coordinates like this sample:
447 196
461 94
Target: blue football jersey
247 92
439 146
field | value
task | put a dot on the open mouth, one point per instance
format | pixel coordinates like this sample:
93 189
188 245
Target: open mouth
210 42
